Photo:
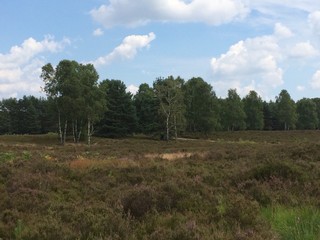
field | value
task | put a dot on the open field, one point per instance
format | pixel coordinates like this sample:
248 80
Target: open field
240 185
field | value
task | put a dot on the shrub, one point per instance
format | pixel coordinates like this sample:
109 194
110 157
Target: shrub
277 169
139 201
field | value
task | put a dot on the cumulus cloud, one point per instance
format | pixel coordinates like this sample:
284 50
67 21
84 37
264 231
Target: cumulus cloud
258 63
303 50
282 31
315 82
98 32
127 49
140 12
251 64
314 21
132 89
21 67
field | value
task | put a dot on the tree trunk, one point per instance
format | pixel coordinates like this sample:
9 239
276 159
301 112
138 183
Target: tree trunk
65 132
59 126
74 130
167 127
89 131
79 132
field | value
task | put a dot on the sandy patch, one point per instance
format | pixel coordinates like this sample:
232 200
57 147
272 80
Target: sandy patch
170 156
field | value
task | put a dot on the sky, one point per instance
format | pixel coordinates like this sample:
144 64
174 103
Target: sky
260 45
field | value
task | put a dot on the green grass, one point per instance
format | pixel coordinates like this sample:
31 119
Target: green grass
299 223
6 156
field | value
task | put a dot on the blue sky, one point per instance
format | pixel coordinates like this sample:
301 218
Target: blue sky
261 45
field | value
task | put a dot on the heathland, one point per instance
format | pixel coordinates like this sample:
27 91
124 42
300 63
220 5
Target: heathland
233 185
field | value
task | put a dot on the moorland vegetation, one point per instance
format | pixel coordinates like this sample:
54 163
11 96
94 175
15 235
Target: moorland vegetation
236 185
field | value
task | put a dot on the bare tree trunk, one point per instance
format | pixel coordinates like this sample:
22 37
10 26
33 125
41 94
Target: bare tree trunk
65 132
79 132
59 126
74 131
89 131
79 136
167 127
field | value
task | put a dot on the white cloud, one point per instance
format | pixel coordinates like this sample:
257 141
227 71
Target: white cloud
252 64
98 32
314 21
301 88
127 49
21 67
260 63
139 12
132 89
19 55
315 82
282 31
273 7
303 50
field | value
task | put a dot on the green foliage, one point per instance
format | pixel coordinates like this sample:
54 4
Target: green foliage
6 156
300 223
307 114
286 110
18 230
317 102
28 115
172 108
201 110
76 103
253 108
147 107
233 116
73 89
120 117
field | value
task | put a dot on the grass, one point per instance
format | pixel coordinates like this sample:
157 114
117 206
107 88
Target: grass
242 185
299 223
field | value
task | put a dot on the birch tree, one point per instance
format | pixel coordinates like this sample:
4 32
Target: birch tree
48 75
171 105
93 97
286 110
74 88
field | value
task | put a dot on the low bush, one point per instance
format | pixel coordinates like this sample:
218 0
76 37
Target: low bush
277 169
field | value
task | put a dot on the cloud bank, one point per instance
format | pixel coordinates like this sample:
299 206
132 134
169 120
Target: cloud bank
140 12
258 63
21 66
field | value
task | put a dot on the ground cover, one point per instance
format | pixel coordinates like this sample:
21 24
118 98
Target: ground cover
241 185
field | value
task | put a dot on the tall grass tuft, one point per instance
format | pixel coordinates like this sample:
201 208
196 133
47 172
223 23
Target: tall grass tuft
300 223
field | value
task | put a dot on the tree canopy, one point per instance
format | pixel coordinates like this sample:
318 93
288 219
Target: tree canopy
78 105
119 119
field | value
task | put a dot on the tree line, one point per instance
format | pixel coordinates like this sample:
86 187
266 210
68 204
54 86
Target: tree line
77 106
